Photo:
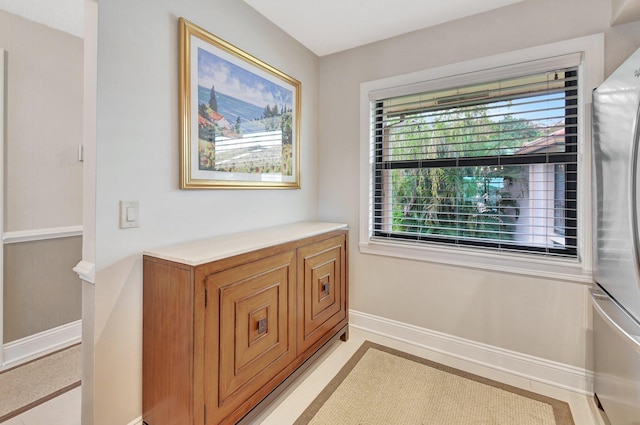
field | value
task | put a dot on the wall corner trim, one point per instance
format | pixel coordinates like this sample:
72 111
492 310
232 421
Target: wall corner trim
474 357
86 271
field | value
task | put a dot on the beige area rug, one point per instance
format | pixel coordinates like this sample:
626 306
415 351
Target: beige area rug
382 386
25 386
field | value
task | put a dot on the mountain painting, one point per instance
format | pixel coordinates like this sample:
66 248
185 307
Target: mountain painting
245 121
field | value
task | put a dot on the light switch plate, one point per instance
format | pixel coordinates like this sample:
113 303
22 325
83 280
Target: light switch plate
129 214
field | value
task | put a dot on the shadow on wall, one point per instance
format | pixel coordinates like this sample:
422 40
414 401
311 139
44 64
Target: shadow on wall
118 341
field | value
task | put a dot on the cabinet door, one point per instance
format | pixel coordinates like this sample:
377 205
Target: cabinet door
322 303
249 337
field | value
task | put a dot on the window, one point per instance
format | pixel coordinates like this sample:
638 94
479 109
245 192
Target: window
485 163
480 165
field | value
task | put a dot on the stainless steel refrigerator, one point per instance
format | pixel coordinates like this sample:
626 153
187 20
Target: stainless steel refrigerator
616 295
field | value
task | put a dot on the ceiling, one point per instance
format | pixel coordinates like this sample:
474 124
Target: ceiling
330 26
63 15
324 27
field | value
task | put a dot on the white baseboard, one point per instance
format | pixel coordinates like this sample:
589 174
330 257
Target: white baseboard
473 353
40 344
137 421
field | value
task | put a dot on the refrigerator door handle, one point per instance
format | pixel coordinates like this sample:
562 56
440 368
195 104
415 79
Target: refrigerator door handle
635 208
598 298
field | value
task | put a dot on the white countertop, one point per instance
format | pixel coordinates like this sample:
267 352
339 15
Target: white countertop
206 250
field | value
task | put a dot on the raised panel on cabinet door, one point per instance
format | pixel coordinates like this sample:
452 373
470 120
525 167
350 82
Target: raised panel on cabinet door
249 335
321 290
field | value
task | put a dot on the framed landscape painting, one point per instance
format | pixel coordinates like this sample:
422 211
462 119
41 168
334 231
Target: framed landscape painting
239 117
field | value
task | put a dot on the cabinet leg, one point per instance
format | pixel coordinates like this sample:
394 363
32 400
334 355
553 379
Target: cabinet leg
345 336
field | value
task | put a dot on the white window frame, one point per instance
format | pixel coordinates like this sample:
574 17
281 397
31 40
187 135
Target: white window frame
590 73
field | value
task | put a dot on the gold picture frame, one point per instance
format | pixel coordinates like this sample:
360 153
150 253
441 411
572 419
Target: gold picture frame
239 117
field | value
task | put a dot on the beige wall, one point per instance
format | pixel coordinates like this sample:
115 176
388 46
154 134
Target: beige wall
40 289
43 177
44 125
540 317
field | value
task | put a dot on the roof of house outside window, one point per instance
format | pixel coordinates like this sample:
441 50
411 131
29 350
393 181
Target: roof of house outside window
553 142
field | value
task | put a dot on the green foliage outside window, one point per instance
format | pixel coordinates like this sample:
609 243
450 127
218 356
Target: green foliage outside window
472 201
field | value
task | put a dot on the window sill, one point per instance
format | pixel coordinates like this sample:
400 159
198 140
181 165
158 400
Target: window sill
549 268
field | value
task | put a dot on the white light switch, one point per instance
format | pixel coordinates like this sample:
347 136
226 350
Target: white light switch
132 214
129 214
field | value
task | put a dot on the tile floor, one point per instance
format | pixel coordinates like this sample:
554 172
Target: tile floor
65 410
62 410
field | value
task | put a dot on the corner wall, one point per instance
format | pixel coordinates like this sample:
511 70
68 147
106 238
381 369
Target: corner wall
526 314
138 159
42 180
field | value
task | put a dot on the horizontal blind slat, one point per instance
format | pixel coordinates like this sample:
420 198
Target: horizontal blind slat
445 164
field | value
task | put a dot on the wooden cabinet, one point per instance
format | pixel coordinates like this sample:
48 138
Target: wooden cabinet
249 317
226 321
322 290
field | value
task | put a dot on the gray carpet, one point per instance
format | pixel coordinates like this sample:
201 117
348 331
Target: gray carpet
381 386
33 383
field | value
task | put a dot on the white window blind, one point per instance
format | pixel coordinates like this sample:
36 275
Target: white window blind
492 165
